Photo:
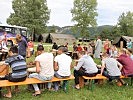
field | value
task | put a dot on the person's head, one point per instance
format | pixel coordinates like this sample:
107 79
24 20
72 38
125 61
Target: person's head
78 44
98 37
13 50
81 53
62 49
40 49
54 43
18 37
104 55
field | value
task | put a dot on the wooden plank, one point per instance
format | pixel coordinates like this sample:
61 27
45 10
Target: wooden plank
99 76
4 83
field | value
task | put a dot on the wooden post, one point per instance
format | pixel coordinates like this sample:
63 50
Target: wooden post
81 82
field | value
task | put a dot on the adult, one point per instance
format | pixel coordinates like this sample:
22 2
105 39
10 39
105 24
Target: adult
55 46
98 48
106 46
74 47
85 67
62 66
44 68
79 48
127 63
18 67
22 45
129 53
112 66
129 44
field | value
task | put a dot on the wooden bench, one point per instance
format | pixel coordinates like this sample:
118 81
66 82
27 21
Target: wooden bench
98 76
4 83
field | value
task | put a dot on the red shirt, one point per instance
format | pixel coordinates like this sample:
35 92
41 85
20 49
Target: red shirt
79 48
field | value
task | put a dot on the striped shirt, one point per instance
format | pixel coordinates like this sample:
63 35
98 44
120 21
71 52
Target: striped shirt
18 66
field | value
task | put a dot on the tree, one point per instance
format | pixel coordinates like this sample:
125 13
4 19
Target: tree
125 23
84 13
33 14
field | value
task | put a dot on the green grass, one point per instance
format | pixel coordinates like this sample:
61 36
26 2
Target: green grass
100 92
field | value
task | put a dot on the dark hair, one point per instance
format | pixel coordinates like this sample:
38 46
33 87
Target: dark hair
14 49
40 48
63 48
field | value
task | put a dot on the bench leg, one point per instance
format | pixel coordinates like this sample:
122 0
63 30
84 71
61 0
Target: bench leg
91 85
131 81
65 85
81 82
0 92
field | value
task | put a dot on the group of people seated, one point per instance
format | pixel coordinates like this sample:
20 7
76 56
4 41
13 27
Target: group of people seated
46 68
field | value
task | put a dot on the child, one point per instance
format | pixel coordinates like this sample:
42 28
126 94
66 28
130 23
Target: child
18 66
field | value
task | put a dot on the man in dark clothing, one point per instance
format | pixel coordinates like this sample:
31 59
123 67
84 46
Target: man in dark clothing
22 45
55 46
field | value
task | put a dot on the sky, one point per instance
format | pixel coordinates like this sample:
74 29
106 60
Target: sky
108 11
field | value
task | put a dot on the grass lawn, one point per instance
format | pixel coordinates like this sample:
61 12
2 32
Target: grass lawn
100 92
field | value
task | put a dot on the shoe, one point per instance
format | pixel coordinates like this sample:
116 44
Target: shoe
34 94
125 84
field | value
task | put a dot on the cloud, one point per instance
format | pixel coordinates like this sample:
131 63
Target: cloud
60 12
108 11
5 9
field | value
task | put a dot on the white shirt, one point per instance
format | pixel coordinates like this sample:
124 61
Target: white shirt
46 64
64 63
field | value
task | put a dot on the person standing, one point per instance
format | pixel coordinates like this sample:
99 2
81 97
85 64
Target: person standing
22 45
98 48
106 46
44 68
129 44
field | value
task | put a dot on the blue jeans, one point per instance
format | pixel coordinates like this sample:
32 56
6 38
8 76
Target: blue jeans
42 78
105 73
56 84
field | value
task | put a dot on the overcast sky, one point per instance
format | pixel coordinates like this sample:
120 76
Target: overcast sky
108 11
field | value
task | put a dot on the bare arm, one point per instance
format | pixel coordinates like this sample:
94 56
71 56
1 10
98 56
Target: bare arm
71 66
103 66
55 66
120 65
2 68
38 67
